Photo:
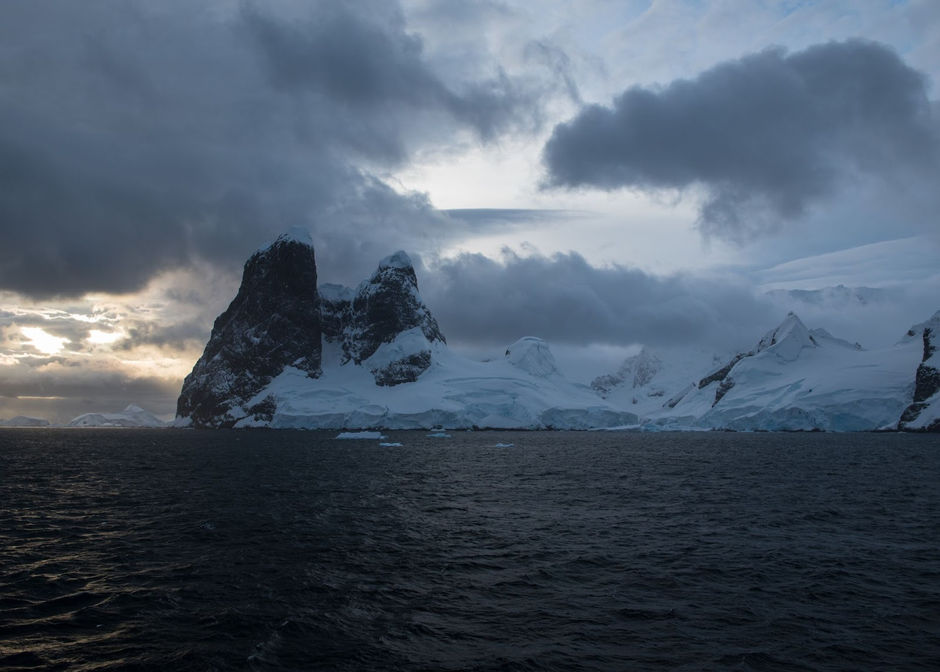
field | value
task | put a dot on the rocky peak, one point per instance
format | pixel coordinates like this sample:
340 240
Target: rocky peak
273 322
384 306
375 314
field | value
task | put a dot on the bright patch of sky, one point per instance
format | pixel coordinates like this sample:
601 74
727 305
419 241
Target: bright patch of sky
43 341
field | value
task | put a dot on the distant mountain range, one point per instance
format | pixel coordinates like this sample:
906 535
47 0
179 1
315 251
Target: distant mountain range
131 416
291 353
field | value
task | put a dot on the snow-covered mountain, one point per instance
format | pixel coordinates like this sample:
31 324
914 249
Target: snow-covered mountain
369 357
132 416
793 379
657 379
24 421
287 353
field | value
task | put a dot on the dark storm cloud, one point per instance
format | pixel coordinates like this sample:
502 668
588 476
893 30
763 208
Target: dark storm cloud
137 137
566 300
766 136
369 62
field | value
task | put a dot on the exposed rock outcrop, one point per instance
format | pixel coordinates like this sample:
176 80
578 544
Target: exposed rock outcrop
273 322
918 415
785 341
377 313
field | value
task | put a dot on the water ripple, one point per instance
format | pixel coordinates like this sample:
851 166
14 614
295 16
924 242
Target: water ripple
566 551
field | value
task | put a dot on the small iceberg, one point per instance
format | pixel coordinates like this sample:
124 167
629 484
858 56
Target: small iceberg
439 435
503 445
360 435
390 444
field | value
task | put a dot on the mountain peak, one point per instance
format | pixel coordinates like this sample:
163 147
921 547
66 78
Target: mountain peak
788 339
273 322
295 234
399 259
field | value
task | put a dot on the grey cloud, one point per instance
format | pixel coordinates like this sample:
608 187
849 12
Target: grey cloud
564 299
556 59
766 136
180 336
139 137
365 60
62 396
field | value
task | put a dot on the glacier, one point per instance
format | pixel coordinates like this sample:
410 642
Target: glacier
521 391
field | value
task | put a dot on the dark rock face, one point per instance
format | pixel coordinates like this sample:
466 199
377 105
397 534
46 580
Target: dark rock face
725 381
723 372
273 322
926 384
335 312
380 309
404 370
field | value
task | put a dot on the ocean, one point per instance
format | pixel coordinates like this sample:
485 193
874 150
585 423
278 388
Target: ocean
282 550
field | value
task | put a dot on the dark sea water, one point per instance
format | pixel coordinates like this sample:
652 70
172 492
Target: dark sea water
184 550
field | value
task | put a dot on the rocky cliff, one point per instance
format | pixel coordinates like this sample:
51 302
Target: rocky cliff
923 413
280 318
377 313
274 321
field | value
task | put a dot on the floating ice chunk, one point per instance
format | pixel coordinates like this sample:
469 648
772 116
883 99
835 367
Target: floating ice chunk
439 435
360 435
390 444
503 445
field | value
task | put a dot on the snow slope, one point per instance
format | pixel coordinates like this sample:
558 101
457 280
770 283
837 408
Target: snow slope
132 416
797 379
522 391
656 379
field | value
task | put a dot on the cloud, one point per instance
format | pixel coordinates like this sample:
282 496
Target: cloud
363 60
137 137
766 136
564 299
64 393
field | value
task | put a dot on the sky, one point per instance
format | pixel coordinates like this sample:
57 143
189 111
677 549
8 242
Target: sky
603 174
